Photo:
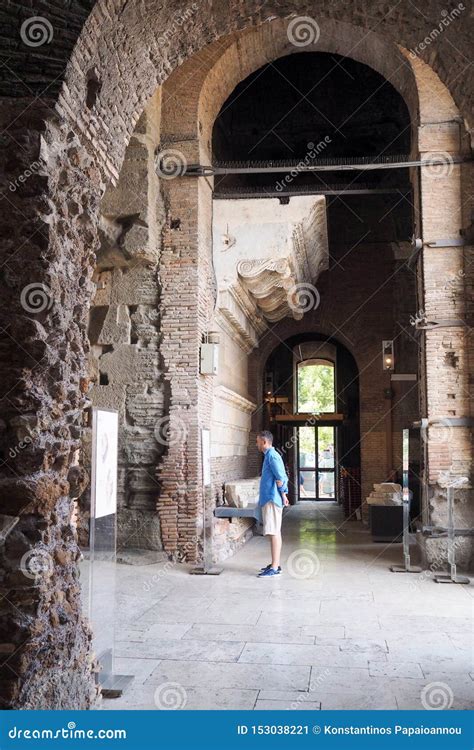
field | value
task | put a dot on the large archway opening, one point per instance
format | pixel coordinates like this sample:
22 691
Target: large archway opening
339 111
311 397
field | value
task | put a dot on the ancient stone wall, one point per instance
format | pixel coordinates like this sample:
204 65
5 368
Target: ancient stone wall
124 331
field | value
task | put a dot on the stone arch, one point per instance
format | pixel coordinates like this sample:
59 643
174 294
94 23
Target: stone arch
122 28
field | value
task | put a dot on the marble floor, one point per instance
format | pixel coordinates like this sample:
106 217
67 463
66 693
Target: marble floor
337 630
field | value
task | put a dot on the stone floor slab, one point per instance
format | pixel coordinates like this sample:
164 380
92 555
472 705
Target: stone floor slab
182 650
234 675
264 705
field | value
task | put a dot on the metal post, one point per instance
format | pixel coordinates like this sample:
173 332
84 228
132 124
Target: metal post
207 568
452 576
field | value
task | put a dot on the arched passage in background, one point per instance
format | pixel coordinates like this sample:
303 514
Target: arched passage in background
320 438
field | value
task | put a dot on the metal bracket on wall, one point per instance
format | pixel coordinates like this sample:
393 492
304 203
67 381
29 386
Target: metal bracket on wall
452 242
430 325
445 421
438 532
335 164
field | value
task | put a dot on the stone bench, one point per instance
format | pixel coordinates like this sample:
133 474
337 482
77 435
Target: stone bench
242 500
242 492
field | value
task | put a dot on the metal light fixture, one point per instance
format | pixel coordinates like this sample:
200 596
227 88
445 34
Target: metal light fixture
210 354
388 356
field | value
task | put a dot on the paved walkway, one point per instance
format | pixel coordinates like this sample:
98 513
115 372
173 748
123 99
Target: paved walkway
337 630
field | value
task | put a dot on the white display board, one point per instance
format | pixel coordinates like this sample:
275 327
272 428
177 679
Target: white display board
104 462
206 457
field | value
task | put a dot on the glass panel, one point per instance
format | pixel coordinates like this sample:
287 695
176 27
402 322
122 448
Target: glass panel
326 484
326 447
103 531
306 446
316 386
307 485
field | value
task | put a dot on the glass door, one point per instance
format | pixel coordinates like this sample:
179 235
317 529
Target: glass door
317 463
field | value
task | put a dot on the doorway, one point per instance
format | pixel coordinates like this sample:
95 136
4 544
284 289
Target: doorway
317 452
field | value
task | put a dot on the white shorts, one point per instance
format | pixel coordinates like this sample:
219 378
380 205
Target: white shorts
271 517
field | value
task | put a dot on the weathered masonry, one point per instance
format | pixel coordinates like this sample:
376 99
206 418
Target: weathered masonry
119 261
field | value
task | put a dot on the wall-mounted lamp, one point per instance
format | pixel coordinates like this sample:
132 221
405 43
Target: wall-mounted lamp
387 355
269 384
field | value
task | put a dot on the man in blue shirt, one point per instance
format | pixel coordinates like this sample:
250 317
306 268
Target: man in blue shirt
273 496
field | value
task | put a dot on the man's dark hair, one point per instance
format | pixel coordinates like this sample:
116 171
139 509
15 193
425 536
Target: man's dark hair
266 435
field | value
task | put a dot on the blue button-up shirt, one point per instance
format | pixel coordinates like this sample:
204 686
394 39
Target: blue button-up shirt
273 469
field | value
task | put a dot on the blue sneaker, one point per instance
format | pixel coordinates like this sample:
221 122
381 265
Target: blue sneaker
267 567
269 572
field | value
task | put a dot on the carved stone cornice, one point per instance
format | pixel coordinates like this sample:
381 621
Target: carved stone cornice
270 282
238 315
310 244
235 399
273 262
